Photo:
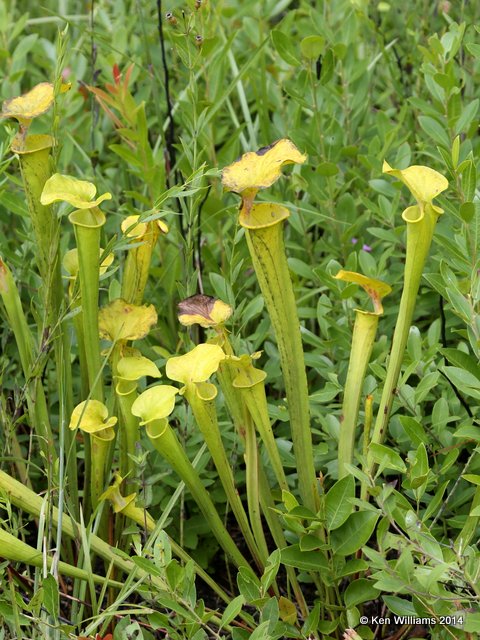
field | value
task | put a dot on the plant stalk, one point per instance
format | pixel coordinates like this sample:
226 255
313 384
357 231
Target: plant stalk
267 250
364 331
166 443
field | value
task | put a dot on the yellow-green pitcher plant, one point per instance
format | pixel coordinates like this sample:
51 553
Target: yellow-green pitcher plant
71 265
129 370
28 501
154 406
33 151
193 370
364 331
212 313
119 323
137 265
16 550
263 224
88 220
424 184
91 417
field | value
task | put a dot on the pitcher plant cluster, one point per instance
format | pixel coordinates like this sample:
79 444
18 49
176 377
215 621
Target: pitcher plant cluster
107 422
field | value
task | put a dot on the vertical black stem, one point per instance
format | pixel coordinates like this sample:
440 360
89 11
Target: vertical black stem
170 134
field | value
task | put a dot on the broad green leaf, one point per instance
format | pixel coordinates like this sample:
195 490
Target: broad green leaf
271 569
354 533
359 591
414 430
293 556
467 116
285 48
386 457
469 180
312 47
327 169
463 360
465 381
338 504
232 610
328 67
435 130
419 470
50 595
400 606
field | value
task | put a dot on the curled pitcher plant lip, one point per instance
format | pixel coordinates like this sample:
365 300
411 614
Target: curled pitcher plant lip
195 368
376 289
260 169
91 416
203 310
130 368
132 228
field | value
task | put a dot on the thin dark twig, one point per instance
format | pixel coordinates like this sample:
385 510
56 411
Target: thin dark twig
170 134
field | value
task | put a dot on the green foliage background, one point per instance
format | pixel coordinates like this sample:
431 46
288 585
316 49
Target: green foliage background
351 83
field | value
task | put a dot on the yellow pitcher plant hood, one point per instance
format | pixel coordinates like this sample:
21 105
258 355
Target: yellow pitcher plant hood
34 103
260 169
153 407
195 368
120 320
91 416
376 289
131 368
203 310
424 183
247 375
78 193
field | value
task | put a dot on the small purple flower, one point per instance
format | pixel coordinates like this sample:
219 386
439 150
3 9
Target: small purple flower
354 240
367 247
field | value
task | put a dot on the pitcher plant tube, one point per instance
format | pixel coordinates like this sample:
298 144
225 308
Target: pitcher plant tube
91 417
424 184
153 407
364 331
127 506
263 224
137 265
193 370
88 221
